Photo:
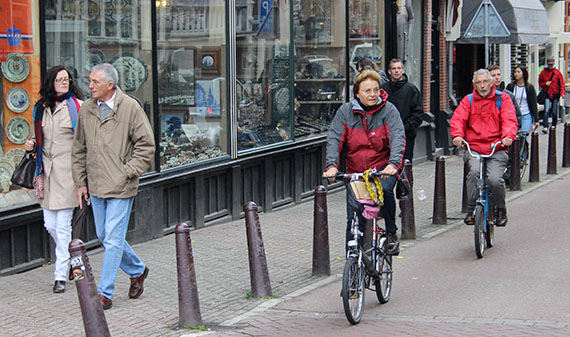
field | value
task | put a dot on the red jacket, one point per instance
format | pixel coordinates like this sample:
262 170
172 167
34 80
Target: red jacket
557 86
481 123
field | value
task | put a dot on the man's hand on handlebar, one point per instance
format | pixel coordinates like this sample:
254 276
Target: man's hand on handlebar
458 141
331 172
507 141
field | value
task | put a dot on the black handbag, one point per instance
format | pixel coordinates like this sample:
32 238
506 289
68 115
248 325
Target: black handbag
403 187
24 173
541 97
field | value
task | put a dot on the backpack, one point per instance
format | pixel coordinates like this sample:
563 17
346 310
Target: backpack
498 102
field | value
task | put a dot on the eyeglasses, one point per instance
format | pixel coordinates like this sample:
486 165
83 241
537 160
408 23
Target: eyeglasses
370 91
63 79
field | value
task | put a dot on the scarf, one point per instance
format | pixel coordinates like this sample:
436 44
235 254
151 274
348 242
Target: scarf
72 106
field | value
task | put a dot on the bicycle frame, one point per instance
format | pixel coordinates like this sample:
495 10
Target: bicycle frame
356 249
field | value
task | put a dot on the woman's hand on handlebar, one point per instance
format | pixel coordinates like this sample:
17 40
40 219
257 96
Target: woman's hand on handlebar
389 170
331 172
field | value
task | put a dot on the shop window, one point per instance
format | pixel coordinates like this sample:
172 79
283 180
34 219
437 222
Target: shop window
320 67
263 81
366 33
191 81
81 34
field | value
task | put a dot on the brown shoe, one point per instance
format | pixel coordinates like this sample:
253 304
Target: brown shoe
59 287
105 302
137 284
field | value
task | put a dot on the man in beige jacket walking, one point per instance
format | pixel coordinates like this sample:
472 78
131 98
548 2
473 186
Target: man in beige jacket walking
113 146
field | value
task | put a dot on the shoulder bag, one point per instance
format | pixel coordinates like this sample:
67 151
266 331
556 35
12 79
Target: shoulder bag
541 97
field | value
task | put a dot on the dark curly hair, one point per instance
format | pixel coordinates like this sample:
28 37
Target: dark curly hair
47 91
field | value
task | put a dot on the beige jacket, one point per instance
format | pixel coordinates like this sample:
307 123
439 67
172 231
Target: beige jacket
59 190
109 155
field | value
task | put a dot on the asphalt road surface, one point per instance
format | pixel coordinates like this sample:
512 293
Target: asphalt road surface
519 288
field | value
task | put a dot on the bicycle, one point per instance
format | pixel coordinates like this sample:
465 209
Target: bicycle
524 155
364 267
485 213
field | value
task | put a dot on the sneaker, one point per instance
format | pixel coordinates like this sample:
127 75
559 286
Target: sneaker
392 244
501 217
544 131
469 220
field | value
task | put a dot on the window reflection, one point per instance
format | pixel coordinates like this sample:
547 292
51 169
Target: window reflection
191 81
263 81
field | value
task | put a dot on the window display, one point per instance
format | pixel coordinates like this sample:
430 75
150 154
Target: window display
320 79
263 73
191 83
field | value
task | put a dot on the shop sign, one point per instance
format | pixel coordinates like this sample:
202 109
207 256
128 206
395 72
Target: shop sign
16 26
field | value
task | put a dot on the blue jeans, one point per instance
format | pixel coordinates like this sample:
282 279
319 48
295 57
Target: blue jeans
550 108
388 210
526 122
111 222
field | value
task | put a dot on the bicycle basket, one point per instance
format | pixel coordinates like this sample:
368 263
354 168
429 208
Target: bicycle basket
360 200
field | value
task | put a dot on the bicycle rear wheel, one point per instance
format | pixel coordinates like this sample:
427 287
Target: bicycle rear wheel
353 290
383 283
479 231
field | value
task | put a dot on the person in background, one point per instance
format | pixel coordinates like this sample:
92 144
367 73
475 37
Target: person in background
367 64
525 97
113 146
500 85
55 117
551 79
408 100
369 133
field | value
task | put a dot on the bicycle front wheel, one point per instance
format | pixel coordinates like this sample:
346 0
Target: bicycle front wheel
479 231
383 283
353 290
524 158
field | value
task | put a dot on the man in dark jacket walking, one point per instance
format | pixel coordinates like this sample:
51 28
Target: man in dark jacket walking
408 100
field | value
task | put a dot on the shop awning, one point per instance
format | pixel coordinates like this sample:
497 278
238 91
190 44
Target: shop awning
525 19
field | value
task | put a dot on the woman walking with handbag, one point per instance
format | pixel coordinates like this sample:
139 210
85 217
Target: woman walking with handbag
55 116
525 95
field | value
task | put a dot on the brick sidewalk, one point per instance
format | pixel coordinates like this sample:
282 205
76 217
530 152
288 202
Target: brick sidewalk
29 308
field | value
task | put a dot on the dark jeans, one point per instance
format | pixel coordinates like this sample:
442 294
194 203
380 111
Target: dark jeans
550 108
388 209
409 151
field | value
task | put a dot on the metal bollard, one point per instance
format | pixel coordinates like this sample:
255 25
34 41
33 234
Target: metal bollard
94 321
188 302
566 146
321 254
439 203
551 159
464 198
534 170
515 152
407 206
259 274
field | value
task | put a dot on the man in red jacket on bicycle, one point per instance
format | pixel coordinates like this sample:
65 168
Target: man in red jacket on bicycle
483 118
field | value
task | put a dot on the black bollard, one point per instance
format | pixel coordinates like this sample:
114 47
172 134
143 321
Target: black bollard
94 321
534 170
321 255
515 153
551 161
259 274
407 206
566 149
464 198
439 204
188 302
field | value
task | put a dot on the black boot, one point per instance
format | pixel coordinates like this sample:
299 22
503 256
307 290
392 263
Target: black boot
469 219
501 217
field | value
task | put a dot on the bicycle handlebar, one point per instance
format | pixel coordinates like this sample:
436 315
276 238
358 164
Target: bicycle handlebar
357 175
493 148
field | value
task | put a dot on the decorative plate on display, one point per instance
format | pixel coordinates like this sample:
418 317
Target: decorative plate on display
16 68
18 130
18 99
16 155
5 183
6 169
132 72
